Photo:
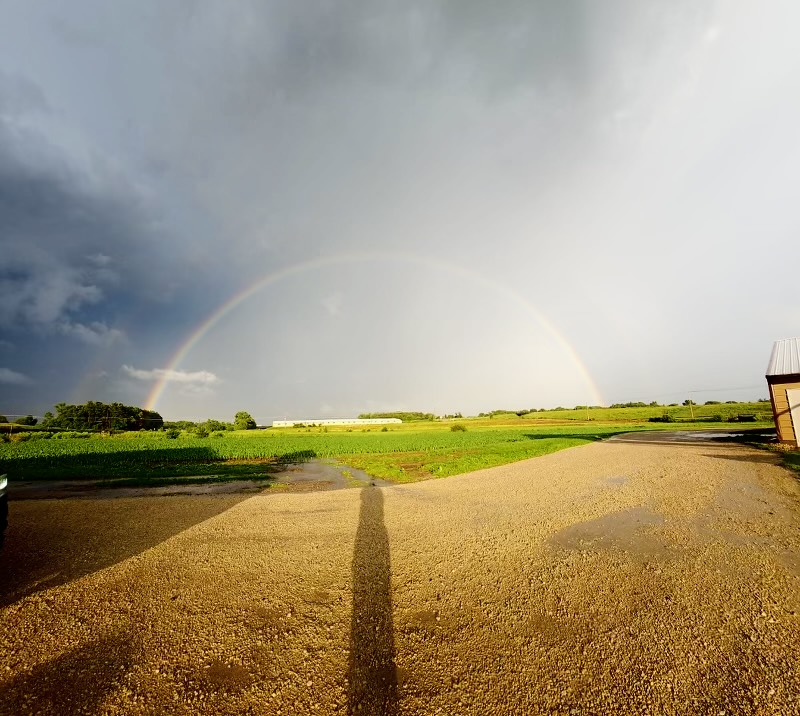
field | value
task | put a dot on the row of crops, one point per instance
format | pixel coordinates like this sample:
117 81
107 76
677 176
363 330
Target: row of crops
47 459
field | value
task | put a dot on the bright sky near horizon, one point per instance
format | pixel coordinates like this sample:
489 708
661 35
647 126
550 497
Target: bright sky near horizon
322 209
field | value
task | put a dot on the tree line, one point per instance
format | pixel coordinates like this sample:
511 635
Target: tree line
406 417
96 416
105 417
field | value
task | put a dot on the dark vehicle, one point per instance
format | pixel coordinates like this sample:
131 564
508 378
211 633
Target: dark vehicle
3 507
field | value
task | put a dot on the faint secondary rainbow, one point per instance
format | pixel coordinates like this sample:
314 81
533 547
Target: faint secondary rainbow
272 278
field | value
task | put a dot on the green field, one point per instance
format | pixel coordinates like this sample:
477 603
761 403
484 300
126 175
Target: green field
401 453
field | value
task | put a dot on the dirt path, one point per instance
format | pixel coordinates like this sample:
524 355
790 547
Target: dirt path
611 578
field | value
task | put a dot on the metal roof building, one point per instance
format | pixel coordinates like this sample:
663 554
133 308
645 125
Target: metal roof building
308 422
783 379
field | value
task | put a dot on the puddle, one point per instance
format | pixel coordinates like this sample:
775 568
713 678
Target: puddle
626 531
330 474
311 476
688 436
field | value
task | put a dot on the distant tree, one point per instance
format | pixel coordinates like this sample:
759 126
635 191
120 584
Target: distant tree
407 416
95 415
180 424
711 402
3 419
244 421
27 420
689 401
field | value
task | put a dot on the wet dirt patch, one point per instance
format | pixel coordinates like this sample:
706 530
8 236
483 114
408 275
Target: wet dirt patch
628 531
230 677
321 597
311 476
694 437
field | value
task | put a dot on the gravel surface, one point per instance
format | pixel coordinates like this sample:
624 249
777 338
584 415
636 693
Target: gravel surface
612 578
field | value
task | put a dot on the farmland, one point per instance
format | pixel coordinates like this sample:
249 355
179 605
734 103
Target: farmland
402 453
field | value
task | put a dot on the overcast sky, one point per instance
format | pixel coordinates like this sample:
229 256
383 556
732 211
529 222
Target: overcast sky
449 206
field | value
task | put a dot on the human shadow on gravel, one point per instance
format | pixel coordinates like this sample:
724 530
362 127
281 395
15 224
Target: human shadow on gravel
52 542
75 682
372 678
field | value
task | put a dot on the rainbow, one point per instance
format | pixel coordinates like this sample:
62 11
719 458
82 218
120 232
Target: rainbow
272 278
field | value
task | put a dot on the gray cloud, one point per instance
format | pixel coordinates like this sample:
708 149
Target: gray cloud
95 333
79 241
19 95
12 377
200 377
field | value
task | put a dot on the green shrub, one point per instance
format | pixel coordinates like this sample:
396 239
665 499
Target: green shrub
458 428
172 433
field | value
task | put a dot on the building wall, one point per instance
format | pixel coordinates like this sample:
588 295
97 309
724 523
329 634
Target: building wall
778 385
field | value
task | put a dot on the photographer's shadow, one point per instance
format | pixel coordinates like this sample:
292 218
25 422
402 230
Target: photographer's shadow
372 679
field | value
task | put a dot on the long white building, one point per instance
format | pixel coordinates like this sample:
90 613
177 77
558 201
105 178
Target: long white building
336 421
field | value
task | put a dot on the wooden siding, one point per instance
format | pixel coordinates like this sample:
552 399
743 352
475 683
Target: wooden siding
780 406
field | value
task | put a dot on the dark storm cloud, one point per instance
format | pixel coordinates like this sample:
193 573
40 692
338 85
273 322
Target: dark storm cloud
75 246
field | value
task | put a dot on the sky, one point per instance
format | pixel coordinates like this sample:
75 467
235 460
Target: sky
326 208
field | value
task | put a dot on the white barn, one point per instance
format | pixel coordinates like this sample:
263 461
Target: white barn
337 421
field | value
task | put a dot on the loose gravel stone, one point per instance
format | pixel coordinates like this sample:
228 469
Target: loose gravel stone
612 578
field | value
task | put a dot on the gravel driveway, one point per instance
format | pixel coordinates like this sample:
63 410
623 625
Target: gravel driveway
611 578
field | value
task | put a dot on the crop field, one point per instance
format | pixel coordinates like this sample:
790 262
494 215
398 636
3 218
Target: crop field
400 453
120 456
717 411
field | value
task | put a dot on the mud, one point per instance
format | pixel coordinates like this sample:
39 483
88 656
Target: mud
314 475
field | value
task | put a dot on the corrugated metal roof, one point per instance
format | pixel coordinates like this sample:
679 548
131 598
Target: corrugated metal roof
785 358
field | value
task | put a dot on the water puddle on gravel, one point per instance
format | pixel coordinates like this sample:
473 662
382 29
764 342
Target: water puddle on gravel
627 530
311 476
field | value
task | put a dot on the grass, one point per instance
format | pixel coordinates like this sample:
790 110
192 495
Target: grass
792 460
414 466
404 453
678 412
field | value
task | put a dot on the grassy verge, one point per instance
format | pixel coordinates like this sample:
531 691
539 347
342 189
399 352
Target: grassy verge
414 466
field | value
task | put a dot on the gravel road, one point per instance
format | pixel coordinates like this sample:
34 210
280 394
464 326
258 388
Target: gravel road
614 578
